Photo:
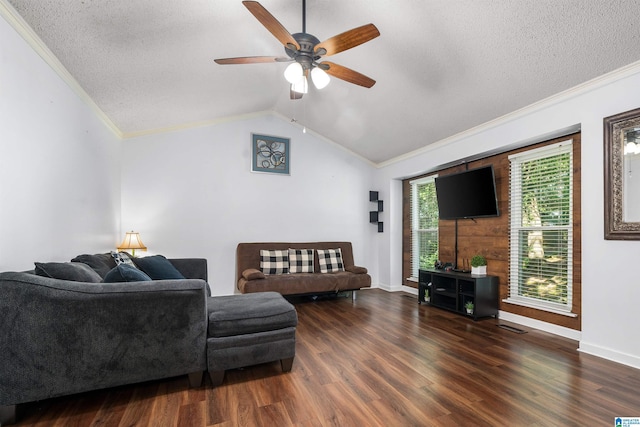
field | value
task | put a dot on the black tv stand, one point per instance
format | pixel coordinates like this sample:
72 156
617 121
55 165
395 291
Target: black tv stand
451 290
461 270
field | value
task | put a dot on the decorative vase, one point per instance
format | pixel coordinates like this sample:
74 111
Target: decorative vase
469 310
479 271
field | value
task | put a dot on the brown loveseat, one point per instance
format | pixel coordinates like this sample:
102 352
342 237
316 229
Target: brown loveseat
250 278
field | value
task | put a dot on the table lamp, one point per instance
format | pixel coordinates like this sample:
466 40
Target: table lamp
132 241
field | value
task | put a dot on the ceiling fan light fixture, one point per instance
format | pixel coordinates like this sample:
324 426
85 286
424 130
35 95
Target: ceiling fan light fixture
293 73
320 78
301 86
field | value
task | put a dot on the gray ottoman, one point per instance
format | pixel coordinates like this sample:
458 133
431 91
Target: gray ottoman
249 329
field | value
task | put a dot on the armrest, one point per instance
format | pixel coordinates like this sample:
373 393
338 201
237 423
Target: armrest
355 269
87 336
252 274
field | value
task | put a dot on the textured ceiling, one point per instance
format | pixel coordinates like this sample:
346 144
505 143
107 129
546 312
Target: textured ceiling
441 67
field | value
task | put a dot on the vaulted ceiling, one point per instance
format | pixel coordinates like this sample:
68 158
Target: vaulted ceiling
441 67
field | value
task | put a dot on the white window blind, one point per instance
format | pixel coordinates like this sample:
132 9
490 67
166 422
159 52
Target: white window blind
541 232
424 224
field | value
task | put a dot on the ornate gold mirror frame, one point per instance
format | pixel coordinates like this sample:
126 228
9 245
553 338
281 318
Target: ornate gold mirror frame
622 176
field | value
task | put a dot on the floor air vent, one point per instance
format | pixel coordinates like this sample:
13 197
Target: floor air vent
512 329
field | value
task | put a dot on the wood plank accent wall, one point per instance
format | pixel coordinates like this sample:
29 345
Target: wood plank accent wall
490 236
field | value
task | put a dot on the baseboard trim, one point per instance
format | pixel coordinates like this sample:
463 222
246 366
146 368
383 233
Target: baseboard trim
543 326
410 290
388 288
609 354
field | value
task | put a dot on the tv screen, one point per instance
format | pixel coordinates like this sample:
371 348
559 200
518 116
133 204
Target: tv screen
467 194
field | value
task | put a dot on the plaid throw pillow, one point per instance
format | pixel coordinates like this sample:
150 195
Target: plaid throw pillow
274 262
330 260
300 260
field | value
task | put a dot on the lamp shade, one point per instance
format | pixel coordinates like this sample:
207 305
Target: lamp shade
320 78
293 73
132 241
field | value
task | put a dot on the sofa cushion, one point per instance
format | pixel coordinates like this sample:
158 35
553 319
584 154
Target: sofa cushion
330 260
100 263
274 261
158 268
74 271
232 315
300 260
125 273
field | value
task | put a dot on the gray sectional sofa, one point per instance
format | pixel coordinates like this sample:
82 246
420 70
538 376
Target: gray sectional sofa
61 337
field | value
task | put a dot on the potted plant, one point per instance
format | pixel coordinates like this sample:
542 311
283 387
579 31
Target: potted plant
478 265
427 298
469 307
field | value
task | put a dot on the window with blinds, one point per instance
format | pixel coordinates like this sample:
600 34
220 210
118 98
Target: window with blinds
541 232
424 224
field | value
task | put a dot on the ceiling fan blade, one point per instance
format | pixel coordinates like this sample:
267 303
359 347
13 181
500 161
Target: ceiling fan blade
347 40
251 60
347 74
271 24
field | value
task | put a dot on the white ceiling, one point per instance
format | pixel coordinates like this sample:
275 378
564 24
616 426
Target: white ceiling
441 66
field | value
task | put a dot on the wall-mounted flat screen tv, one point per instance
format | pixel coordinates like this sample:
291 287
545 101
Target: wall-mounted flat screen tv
467 194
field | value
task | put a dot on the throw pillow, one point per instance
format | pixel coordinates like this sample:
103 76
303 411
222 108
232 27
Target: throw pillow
158 267
330 260
300 260
100 263
74 271
122 258
125 273
274 262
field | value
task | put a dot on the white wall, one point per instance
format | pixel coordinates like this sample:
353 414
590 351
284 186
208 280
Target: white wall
191 194
59 165
610 284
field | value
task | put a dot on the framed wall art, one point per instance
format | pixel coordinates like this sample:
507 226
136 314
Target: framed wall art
270 154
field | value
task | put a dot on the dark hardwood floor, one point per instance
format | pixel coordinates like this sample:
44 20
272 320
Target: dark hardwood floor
382 360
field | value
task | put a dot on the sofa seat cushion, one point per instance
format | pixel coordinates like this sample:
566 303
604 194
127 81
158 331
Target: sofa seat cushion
232 315
306 283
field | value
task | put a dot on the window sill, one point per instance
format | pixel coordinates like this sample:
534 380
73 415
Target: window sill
412 279
539 307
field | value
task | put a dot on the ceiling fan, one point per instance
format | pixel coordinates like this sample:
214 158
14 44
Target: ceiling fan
305 51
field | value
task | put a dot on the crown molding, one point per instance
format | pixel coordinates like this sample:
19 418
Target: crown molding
26 32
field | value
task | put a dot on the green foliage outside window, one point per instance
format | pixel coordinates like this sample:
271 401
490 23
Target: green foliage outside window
544 236
427 227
